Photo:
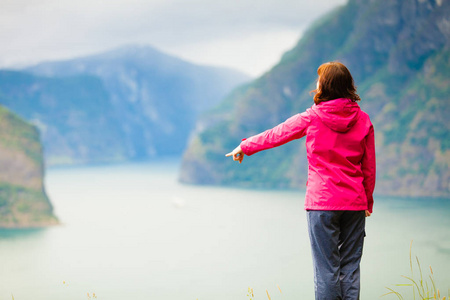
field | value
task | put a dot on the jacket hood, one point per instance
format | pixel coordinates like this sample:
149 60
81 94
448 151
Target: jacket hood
339 114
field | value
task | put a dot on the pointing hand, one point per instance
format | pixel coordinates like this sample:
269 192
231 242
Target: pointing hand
237 154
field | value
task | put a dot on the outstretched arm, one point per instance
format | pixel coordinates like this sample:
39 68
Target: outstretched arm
293 128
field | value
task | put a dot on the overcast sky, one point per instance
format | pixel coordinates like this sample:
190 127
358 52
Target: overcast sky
249 35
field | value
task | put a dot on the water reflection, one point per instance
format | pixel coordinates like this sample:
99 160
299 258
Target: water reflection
21 233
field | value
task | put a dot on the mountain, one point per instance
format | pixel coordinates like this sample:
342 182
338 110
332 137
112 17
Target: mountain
129 103
399 54
72 114
23 201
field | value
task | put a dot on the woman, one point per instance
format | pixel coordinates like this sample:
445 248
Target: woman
341 177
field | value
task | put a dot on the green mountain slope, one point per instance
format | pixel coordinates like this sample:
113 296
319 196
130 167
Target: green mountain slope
23 202
399 54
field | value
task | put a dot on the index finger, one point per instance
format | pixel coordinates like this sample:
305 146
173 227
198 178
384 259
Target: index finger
229 154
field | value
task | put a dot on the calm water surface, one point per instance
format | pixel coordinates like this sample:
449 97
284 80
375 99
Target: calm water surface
132 232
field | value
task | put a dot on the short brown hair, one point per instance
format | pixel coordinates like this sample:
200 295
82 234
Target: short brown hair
335 81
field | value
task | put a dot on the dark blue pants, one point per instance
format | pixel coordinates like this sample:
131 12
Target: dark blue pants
337 239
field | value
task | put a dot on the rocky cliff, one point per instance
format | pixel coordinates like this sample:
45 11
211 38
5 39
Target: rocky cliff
23 201
399 54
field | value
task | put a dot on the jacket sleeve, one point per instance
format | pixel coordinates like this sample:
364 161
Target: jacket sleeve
369 167
293 128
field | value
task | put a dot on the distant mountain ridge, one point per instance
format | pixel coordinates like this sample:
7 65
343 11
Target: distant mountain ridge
133 102
399 54
126 69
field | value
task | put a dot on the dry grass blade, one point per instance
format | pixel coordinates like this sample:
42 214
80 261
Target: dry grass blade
279 289
268 296
421 278
435 293
410 265
417 286
393 292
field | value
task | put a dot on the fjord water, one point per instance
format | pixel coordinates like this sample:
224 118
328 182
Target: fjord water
133 232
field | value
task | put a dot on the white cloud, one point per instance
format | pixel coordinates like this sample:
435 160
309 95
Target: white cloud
253 53
220 32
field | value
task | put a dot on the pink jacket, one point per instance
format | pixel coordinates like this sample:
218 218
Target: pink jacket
340 150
